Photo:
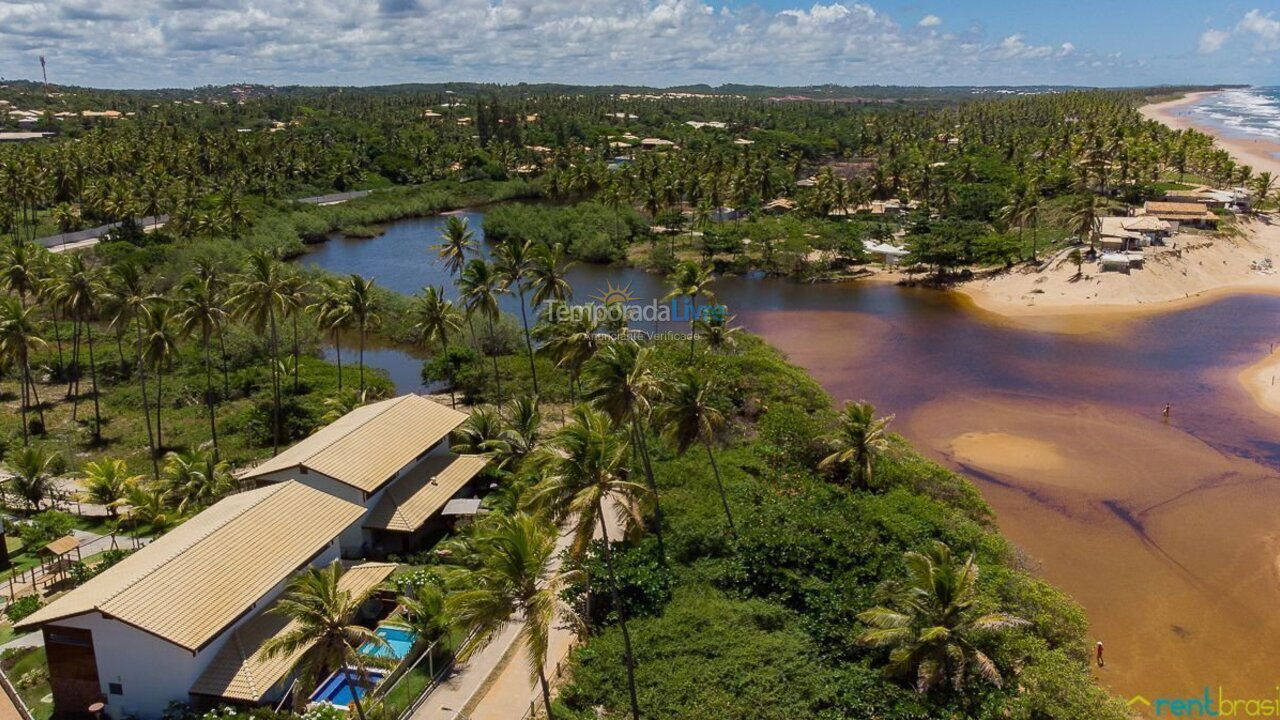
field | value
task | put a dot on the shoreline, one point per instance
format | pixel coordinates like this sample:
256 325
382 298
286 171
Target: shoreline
1259 153
1214 268
1259 381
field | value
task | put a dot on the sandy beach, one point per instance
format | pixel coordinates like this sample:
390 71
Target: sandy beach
1262 381
1191 270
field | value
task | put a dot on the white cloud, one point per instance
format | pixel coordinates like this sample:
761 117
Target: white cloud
658 42
1211 40
1264 27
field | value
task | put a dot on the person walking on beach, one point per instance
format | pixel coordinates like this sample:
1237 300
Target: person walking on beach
1099 653
1165 412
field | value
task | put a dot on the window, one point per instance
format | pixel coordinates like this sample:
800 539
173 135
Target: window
115 688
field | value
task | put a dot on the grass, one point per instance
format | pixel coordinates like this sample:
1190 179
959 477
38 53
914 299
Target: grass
17 664
243 416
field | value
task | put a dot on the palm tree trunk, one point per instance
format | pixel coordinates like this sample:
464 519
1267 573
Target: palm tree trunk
159 405
362 358
528 345
208 396
146 406
295 353
642 443
546 690
26 374
275 384
622 614
337 346
724 498
93 377
497 379
222 349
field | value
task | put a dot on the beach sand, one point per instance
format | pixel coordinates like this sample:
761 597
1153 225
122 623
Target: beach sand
1169 543
1192 270
1262 381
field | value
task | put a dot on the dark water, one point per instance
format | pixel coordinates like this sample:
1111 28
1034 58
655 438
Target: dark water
903 347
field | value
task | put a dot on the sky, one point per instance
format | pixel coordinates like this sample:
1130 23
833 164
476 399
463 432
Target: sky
187 43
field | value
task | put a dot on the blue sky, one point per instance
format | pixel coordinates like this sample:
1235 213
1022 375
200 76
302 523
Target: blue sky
158 43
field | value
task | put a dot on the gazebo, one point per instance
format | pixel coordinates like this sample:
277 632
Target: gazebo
56 556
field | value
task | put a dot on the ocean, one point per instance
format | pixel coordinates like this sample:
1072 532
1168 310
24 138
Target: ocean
1253 113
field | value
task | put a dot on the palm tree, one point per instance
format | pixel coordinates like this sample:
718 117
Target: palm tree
456 242
425 615
690 280
514 264
622 384
200 312
585 468
482 433
132 301
573 342
689 417
1084 218
859 438
479 286
548 276
716 331
435 319
81 293
259 298
297 295
107 483
333 315
936 633
320 613
363 304
20 269
159 346
19 335
1263 185
32 474
147 505
196 477
518 576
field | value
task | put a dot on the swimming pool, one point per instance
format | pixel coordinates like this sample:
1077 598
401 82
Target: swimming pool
337 688
400 642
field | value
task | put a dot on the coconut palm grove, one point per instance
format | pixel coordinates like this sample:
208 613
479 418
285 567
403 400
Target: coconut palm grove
669 525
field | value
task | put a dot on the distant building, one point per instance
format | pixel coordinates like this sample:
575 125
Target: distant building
1194 214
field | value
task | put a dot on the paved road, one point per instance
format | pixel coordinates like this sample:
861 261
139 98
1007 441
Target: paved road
89 237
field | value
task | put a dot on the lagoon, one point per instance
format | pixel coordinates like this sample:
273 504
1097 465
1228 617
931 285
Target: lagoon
1163 529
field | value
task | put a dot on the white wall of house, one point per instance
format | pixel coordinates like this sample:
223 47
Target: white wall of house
153 672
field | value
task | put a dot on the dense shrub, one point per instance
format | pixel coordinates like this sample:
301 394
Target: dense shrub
21 607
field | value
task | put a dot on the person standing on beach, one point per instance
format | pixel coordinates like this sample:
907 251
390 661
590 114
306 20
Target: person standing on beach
1099 654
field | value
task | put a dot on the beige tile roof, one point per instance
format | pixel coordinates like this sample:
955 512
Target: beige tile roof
62 545
407 504
365 447
190 583
240 671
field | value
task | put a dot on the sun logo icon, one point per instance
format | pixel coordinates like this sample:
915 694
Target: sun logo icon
612 295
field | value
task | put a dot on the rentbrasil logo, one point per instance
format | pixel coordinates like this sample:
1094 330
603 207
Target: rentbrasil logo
1207 704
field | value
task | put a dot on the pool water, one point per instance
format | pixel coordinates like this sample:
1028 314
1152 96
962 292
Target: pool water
337 688
399 640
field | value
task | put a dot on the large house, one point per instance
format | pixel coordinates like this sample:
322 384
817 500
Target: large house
389 457
185 617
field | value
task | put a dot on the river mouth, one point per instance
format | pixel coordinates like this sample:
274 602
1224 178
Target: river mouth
1164 530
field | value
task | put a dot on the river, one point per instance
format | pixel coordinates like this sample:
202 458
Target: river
1164 530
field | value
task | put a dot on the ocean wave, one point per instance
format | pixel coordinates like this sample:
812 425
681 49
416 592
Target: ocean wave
1255 111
